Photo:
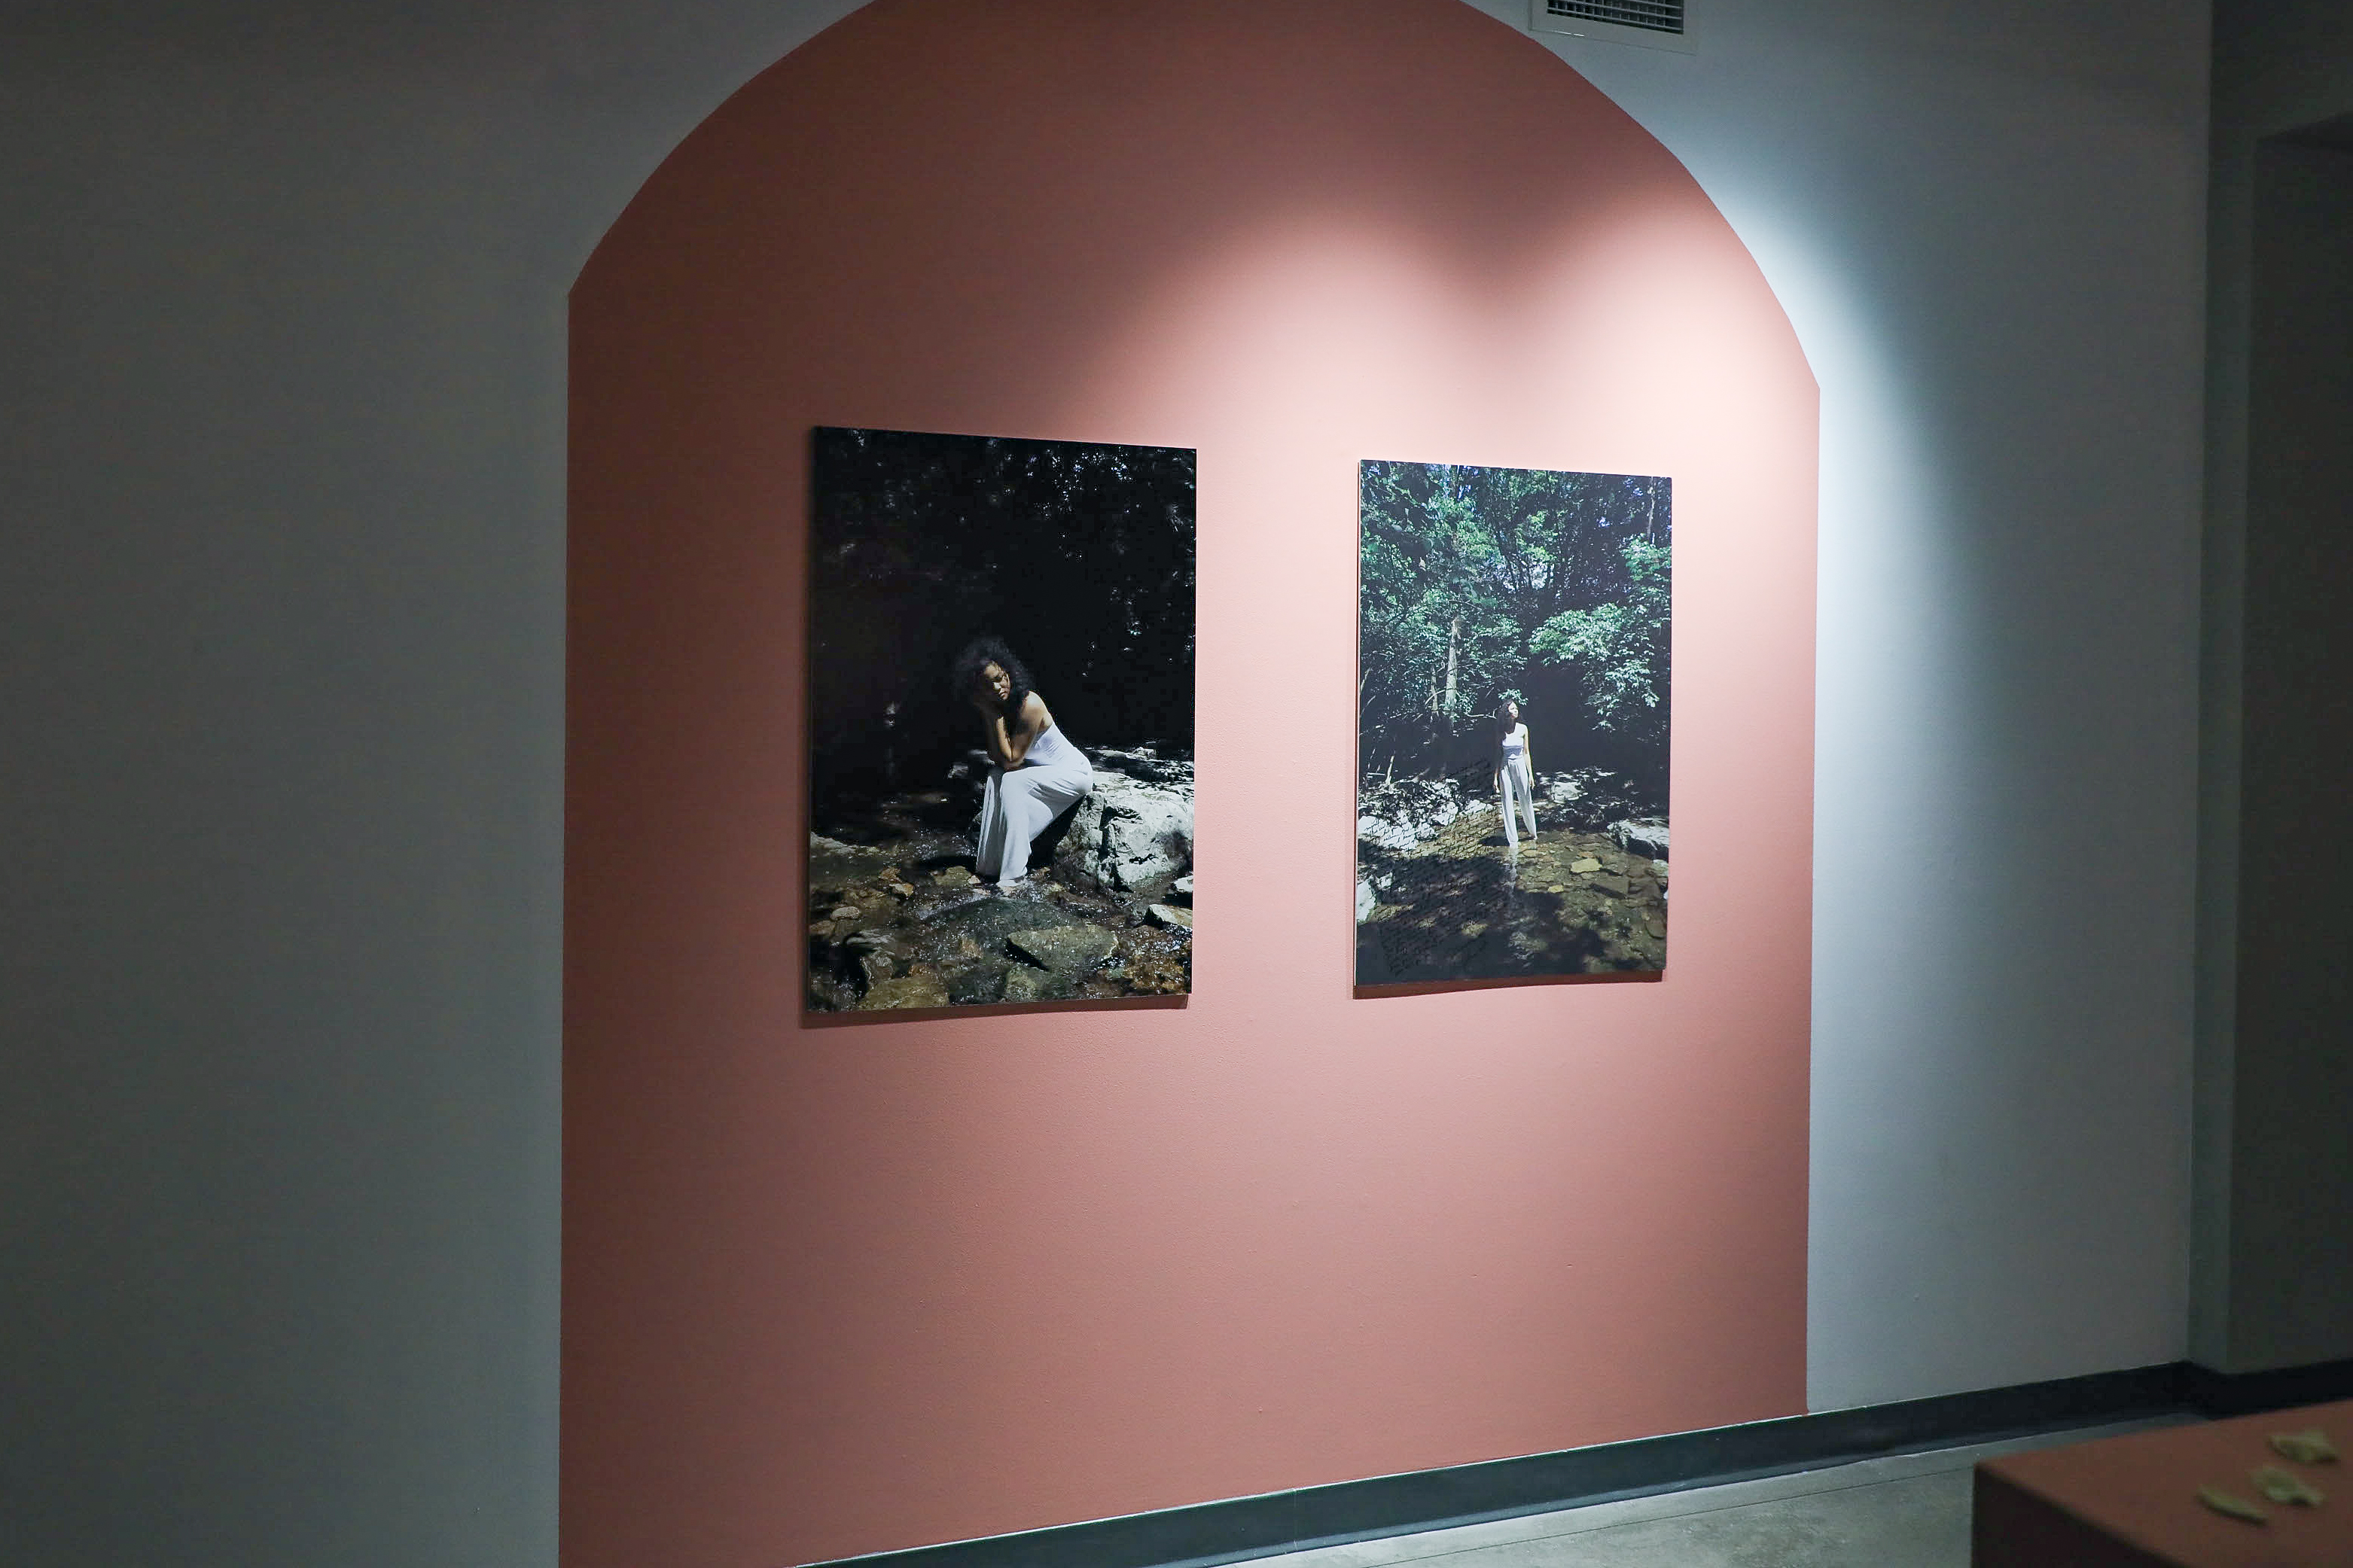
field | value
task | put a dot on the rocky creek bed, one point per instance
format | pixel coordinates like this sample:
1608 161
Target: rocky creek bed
898 920
1442 896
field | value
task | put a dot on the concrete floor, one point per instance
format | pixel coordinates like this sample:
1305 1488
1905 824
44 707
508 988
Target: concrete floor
1908 1512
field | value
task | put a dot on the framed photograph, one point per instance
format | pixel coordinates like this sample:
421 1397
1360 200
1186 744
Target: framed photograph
1000 683
1513 717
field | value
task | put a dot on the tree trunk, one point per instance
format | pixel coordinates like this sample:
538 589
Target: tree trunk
1453 630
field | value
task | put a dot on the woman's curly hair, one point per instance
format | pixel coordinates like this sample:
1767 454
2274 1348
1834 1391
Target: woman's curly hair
964 672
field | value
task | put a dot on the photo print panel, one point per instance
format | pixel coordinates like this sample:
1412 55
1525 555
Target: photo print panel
1511 722
1000 721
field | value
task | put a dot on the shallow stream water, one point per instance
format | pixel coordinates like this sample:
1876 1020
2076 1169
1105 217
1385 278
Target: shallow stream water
1465 905
898 920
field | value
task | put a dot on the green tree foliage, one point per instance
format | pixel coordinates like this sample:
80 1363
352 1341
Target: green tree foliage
1476 581
1618 651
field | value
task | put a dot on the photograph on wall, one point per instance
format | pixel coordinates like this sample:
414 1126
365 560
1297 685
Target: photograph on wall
1511 707
1000 721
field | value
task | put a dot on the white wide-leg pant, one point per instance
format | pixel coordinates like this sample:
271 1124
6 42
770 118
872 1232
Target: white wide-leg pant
1019 805
1519 794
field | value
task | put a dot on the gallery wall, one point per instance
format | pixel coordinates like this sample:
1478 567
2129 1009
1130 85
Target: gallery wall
1067 1265
285 294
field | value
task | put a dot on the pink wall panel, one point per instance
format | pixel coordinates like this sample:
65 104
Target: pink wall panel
831 1290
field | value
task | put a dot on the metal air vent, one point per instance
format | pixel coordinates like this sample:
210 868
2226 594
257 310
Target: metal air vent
1647 24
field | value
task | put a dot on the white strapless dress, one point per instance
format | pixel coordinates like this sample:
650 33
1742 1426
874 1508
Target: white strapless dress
1022 801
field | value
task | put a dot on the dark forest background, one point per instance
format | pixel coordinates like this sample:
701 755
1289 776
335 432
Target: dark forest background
1477 583
1080 555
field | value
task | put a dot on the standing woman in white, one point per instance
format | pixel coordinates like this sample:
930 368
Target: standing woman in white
1515 776
1036 773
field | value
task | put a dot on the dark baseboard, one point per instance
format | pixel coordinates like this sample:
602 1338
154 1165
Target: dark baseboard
1235 1529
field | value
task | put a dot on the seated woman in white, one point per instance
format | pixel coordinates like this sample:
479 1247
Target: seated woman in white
1036 773
1514 774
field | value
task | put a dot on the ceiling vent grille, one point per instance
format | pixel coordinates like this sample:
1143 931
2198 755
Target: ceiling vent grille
1652 24
1659 15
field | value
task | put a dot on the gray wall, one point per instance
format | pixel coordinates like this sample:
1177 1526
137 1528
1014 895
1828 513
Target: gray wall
281 295
1985 221
2274 1174
282 427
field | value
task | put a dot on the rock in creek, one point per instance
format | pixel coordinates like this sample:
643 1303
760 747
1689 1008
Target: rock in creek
1134 833
1023 984
1647 839
1172 917
987 920
830 992
1066 949
980 985
908 990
